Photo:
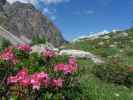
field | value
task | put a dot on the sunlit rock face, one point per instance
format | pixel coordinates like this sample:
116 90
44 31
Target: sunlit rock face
24 19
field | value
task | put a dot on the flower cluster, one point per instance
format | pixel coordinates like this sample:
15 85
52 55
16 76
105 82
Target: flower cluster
8 55
35 80
52 75
67 68
57 82
48 53
24 47
72 61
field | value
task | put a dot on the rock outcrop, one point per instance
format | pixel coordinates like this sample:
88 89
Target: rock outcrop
69 52
81 54
26 20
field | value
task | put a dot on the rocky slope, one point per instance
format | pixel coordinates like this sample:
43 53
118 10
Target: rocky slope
26 20
117 44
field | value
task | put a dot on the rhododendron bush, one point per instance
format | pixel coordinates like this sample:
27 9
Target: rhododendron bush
30 76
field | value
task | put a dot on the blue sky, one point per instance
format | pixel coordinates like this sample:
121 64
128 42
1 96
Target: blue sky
79 17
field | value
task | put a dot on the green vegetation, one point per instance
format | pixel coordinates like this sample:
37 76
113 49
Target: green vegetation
38 40
96 89
3 43
114 71
113 79
116 45
30 76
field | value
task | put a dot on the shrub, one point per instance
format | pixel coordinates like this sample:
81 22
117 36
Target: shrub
39 40
129 51
42 77
4 43
113 71
105 52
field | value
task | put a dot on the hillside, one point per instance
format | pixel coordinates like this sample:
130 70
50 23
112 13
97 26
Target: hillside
107 81
26 20
114 44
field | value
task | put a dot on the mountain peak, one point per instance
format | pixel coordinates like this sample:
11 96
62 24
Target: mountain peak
25 19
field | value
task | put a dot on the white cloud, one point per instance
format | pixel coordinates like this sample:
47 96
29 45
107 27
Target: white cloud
77 13
53 17
49 11
89 12
46 10
52 1
84 12
23 1
47 2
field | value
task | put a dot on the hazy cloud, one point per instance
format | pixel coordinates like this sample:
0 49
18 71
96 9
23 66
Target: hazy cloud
47 2
89 12
105 2
23 1
53 17
49 10
84 12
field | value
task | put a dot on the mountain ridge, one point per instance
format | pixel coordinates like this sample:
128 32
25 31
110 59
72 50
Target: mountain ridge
93 35
25 20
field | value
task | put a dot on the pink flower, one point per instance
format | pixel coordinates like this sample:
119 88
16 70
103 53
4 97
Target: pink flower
48 53
42 75
68 69
37 79
57 82
25 81
59 67
39 76
22 74
12 80
21 77
7 54
46 82
35 84
65 68
72 61
34 78
24 47
15 61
